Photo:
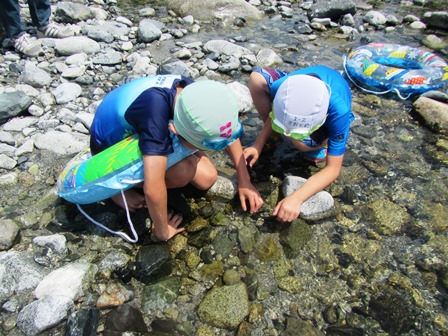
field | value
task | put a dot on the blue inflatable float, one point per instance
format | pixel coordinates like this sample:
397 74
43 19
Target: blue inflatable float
381 68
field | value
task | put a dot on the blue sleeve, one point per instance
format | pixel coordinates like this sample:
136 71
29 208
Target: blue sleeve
339 117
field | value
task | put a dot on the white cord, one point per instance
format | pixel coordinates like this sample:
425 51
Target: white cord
121 234
370 91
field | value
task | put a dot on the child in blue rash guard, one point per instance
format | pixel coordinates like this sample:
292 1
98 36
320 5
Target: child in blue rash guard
176 119
312 107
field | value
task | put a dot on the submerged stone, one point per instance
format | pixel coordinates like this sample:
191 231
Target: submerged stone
225 307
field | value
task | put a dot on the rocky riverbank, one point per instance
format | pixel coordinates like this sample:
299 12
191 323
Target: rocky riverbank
368 256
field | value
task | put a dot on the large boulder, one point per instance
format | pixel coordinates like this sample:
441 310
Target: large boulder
225 10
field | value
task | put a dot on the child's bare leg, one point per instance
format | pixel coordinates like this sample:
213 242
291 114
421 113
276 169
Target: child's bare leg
196 169
260 93
134 200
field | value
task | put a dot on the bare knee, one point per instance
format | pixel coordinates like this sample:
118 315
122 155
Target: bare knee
206 178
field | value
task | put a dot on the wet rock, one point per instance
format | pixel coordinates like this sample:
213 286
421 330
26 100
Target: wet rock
295 237
83 322
115 295
268 249
13 104
225 307
152 262
160 295
8 233
392 311
113 261
434 114
220 219
231 277
223 244
436 19
295 326
224 187
57 243
18 272
385 216
205 10
71 280
248 236
318 206
331 9
125 319
44 314
213 270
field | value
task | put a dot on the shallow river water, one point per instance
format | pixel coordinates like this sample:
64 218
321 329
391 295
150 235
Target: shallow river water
379 266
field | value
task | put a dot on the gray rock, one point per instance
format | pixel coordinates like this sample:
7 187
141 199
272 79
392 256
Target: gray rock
62 144
72 12
175 66
75 45
224 187
434 113
56 242
108 58
34 76
268 58
375 18
18 124
69 281
226 48
318 206
148 31
8 233
225 307
18 272
206 10
241 91
107 31
43 314
331 9
66 92
13 104
437 20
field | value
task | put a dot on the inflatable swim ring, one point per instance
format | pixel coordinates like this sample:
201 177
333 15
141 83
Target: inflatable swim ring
88 179
392 67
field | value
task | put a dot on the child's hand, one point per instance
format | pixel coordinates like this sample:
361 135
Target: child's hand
251 155
251 195
287 210
174 220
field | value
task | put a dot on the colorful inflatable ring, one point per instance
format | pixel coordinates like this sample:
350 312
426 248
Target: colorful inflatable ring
392 67
88 179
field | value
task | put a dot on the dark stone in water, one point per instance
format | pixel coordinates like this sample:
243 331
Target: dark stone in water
343 330
392 311
163 325
125 318
83 323
123 273
152 262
